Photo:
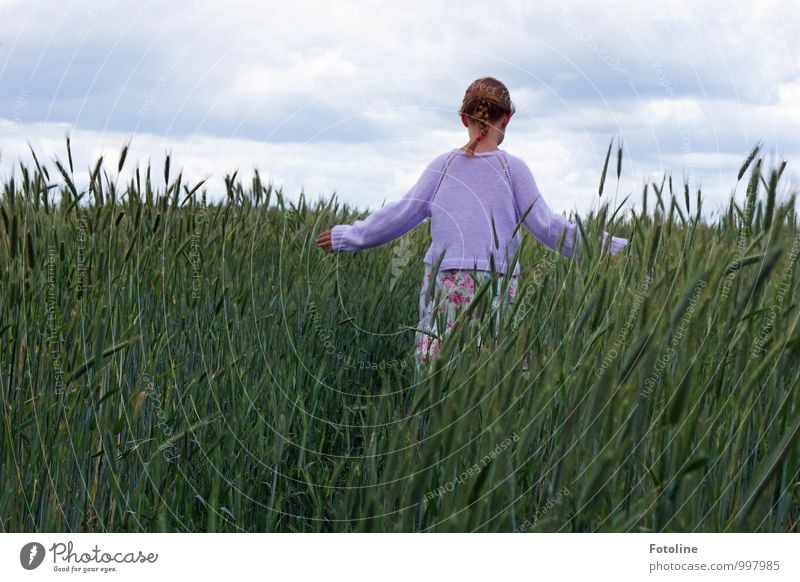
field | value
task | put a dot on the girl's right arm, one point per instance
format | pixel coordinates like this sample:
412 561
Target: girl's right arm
546 225
394 219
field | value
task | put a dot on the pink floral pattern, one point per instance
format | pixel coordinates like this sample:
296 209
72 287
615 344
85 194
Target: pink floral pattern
454 290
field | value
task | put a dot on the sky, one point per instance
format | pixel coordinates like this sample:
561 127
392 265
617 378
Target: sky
358 97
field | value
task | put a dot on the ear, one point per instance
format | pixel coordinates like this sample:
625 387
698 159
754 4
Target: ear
464 120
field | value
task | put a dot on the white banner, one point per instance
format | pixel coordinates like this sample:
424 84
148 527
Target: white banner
389 557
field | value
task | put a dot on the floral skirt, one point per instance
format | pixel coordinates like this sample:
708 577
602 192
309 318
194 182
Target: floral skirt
441 301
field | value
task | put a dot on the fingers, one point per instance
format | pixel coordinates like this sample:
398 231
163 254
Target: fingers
325 240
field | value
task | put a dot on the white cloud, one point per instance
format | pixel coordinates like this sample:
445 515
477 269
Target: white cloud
289 87
789 101
297 76
686 110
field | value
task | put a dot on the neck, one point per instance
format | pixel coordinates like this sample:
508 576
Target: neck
488 143
483 146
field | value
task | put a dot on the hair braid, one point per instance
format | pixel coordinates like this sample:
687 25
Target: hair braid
485 101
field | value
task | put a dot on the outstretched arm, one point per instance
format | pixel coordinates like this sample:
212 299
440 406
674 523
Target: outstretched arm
542 222
390 222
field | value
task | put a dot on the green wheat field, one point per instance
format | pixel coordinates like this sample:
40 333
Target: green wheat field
169 364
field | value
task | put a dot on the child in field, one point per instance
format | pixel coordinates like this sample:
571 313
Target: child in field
475 197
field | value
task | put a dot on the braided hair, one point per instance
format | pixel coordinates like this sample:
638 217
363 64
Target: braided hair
485 101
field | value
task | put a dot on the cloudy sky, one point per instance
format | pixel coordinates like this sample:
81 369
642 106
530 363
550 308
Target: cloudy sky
358 97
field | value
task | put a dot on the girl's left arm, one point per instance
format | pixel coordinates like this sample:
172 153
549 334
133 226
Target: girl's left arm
546 225
394 219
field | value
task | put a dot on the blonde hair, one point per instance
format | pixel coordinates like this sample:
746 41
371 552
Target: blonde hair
485 101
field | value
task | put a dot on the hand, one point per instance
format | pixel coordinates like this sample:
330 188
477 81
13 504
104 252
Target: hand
325 240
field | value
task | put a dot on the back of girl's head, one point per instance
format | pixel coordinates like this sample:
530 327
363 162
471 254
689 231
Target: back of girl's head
485 102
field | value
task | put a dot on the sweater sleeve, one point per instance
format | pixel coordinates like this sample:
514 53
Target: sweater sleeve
394 219
546 225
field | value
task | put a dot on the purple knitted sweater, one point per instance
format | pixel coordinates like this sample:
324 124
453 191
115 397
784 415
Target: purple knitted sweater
462 196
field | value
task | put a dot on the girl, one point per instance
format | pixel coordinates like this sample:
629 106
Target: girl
475 197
